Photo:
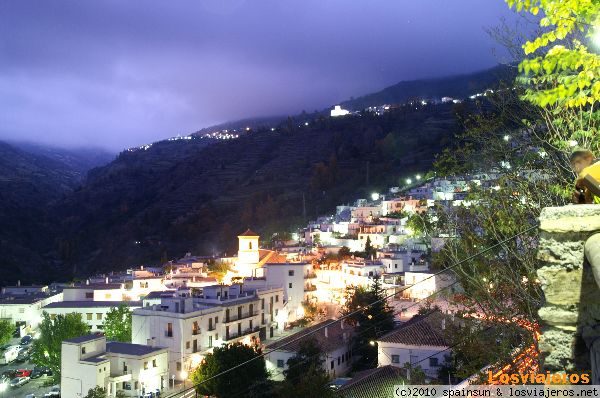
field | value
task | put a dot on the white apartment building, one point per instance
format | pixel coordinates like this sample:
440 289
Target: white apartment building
297 279
26 309
335 342
191 326
360 272
419 342
90 361
421 285
402 260
94 292
93 313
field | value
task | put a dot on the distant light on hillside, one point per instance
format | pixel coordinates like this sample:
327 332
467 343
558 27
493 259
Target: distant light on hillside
375 196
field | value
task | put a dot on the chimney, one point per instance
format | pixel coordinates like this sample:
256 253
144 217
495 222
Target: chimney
87 281
150 342
107 280
141 267
19 282
326 334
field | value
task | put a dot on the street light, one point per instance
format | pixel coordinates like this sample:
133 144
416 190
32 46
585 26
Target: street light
375 196
418 177
408 181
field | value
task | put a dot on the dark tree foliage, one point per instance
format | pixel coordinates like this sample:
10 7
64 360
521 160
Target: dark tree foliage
375 319
249 377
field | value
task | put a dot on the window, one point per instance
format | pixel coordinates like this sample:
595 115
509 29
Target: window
107 296
82 350
290 285
250 245
210 341
169 331
291 272
250 324
262 318
280 363
154 365
187 345
145 365
89 295
216 320
124 368
276 298
100 370
179 366
332 364
126 386
21 310
195 346
135 385
262 303
395 358
89 316
339 360
434 362
99 316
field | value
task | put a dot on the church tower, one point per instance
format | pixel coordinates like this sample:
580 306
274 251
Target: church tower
248 254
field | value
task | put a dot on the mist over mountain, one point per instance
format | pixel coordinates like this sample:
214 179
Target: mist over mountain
70 215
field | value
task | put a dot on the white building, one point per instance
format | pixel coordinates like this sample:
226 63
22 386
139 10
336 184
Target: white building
297 280
419 342
26 309
89 361
421 285
93 313
191 326
94 292
334 341
361 272
338 111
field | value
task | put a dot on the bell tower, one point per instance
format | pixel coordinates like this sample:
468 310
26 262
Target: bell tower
248 254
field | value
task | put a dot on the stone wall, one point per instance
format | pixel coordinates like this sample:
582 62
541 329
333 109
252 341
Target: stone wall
571 312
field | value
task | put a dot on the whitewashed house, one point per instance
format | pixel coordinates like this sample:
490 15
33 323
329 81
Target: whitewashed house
191 326
419 342
90 361
334 341
25 309
93 313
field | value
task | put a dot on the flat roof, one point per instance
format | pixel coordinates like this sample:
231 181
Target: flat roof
131 349
83 339
96 286
92 304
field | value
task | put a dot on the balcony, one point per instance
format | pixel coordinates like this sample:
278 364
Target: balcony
246 332
195 332
235 317
310 275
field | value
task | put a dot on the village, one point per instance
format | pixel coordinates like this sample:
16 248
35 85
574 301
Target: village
182 310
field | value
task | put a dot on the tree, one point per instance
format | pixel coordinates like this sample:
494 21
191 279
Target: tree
369 249
375 319
117 324
250 376
6 331
96 392
313 384
53 331
309 359
344 252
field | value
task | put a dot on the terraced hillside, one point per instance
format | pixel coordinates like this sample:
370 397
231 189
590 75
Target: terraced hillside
159 203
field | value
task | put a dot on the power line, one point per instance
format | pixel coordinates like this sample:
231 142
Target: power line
356 311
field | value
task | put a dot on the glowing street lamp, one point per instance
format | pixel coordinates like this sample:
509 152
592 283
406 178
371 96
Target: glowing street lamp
418 177
507 138
375 196
408 181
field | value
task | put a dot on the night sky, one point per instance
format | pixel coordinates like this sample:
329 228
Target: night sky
122 73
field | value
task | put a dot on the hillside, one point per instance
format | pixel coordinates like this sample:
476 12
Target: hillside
159 201
148 205
30 181
461 86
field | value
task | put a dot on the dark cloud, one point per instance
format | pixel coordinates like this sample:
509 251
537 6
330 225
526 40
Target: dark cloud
119 74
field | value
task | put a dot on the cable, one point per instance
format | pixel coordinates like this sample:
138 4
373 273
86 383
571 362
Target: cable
356 311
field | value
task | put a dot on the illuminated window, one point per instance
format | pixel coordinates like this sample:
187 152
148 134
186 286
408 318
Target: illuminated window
89 316
99 316
395 358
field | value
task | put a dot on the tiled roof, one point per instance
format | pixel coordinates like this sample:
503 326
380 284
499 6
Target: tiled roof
335 337
373 383
420 330
130 349
249 233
